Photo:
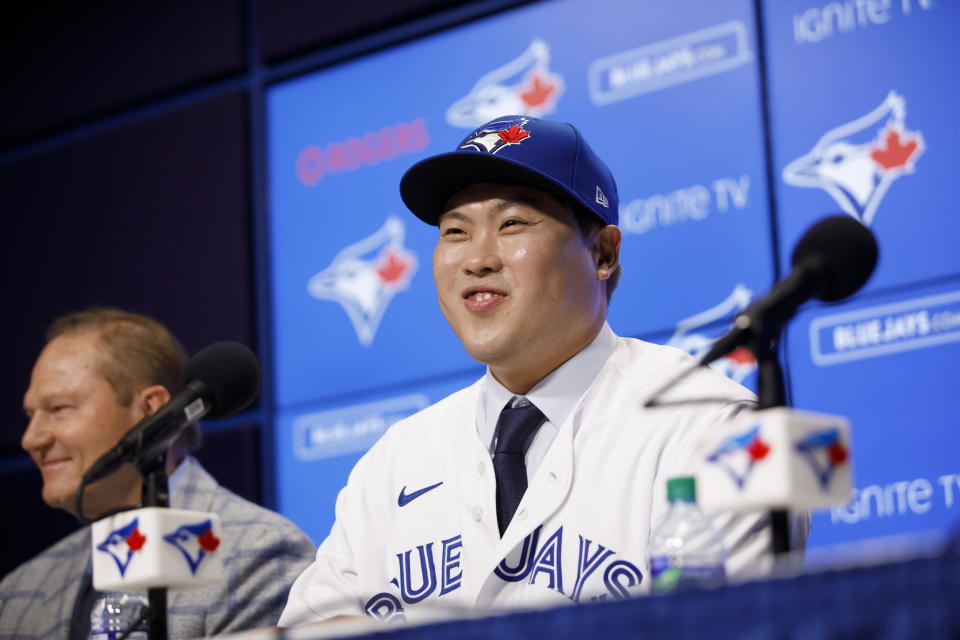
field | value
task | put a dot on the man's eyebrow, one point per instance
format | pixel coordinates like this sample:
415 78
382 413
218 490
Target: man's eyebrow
497 208
453 214
27 407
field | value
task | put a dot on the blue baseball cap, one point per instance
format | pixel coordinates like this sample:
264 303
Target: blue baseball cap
549 156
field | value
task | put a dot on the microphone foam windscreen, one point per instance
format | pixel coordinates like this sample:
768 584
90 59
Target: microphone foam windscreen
231 374
844 250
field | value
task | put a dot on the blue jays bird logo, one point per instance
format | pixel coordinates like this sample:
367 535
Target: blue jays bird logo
824 452
738 454
524 86
194 541
696 335
497 135
857 162
122 543
366 275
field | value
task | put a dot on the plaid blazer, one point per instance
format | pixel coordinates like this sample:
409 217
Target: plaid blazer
264 553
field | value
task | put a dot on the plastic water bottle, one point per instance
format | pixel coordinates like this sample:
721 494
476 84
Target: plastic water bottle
116 611
685 550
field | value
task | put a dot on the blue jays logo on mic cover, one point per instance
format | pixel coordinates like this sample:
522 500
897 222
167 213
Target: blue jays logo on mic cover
194 542
123 543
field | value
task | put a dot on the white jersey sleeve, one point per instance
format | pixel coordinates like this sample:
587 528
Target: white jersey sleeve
330 587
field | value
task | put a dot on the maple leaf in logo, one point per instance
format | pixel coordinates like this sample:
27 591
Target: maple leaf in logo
837 454
741 355
513 135
136 540
537 92
758 449
896 154
392 268
208 542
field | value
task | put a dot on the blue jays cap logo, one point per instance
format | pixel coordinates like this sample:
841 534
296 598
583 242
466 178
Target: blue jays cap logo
194 541
366 275
696 335
525 85
122 543
496 135
824 452
857 162
737 455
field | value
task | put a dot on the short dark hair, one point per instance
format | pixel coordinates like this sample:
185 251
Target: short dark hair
589 224
135 351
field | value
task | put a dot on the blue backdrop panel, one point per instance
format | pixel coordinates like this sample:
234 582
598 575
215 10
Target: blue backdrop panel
318 445
674 109
865 110
863 120
668 95
351 269
888 363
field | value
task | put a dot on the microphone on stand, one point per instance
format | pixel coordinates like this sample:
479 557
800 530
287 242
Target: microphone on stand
221 380
832 260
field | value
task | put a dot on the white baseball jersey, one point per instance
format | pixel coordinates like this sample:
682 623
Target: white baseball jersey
416 525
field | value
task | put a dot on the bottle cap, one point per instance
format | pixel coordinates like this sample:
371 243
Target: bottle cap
683 488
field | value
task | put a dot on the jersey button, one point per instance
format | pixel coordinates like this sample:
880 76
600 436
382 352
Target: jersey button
477 512
553 477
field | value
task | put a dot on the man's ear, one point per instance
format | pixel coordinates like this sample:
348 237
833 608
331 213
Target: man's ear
606 251
150 399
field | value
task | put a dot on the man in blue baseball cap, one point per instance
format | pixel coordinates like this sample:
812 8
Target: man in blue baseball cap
527 215
539 483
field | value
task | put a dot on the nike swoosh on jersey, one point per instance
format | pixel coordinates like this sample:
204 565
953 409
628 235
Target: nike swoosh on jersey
406 498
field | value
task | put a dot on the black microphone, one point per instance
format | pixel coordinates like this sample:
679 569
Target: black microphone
833 259
220 380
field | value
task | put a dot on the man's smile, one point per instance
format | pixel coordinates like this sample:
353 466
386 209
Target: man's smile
483 299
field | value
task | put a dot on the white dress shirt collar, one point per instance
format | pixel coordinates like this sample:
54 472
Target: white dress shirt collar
556 395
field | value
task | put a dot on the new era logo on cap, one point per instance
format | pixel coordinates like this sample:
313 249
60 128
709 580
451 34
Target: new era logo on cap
546 155
602 199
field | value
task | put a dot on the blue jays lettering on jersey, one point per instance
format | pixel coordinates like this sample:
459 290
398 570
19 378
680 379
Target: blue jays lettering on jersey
434 568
